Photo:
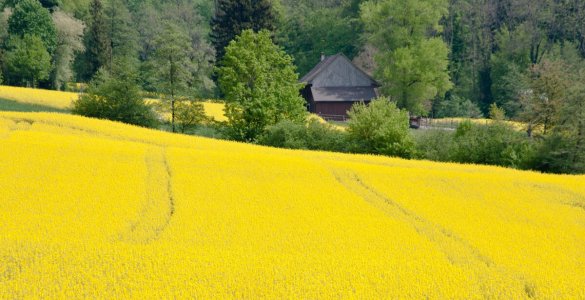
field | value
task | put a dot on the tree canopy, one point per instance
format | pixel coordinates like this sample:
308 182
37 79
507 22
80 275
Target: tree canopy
413 61
232 17
260 85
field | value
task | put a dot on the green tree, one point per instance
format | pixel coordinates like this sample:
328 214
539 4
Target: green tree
308 32
27 60
121 34
509 68
232 17
563 149
97 43
69 43
497 113
415 75
412 64
260 86
115 97
190 114
173 65
31 18
49 4
541 103
380 128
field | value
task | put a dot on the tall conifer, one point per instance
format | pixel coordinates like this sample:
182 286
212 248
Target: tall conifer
234 16
98 45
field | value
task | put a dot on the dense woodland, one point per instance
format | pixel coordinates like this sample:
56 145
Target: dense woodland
439 58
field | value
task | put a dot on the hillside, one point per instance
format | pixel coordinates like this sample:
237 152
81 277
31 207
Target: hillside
48 100
94 207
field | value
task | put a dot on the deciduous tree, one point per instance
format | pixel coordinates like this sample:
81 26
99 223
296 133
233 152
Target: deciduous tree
31 18
173 65
69 43
260 86
27 60
412 63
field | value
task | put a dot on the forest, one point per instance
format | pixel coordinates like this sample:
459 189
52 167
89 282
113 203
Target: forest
439 58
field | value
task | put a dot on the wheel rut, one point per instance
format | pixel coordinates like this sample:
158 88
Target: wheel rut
159 205
487 275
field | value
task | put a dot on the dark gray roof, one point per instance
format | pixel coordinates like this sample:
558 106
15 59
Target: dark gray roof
322 65
337 94
318 68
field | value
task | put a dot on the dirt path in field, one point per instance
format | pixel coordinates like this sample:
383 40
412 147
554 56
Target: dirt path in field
159 205
488 276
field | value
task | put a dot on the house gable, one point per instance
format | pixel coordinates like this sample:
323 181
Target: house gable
338 71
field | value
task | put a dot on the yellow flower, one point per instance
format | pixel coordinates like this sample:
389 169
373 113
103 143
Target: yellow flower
92 208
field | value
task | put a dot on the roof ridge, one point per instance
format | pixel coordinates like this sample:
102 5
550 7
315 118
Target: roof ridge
327 61
319 67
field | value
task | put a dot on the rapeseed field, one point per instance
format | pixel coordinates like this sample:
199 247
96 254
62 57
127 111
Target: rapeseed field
92 208
64 100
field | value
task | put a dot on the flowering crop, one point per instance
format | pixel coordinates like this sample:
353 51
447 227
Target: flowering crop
64 100
92 208
56 99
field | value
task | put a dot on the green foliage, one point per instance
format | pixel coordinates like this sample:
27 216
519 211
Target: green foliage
97 44
189 29
69 44
434 144
380 128
509 67
563 149
31 18
172 65
493 144
260 86
285 134
313 136
115 97
232 17
27 60
121 33
190 114
497 113
308 32
412 65
541 104
555 155
414 75
455 106
397 23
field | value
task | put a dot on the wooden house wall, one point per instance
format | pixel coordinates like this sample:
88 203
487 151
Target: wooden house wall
333 108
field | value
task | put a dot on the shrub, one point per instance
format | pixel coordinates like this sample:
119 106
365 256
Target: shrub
323 136
116 98
455 106
189 114
314 136
497 113
434 144
556 155
380 128
285 134
493 144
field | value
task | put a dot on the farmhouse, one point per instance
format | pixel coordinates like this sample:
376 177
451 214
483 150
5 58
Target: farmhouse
334 85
